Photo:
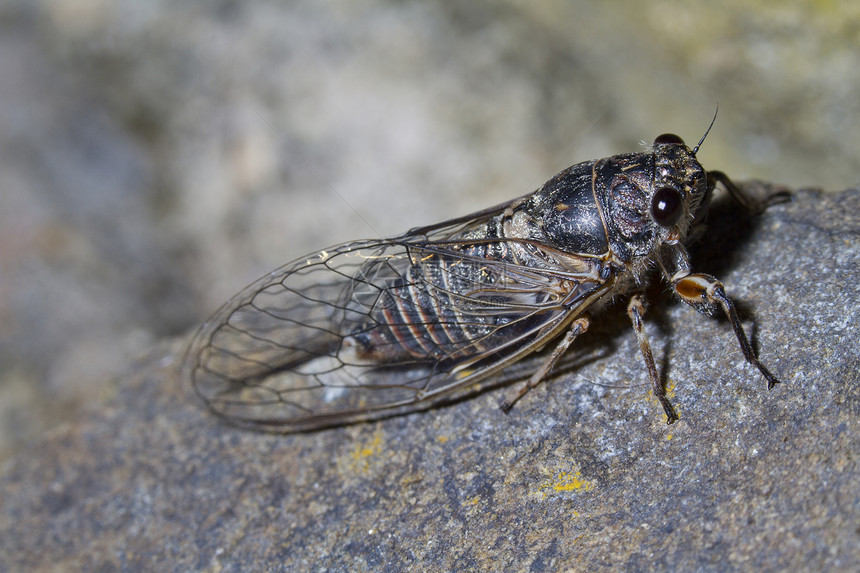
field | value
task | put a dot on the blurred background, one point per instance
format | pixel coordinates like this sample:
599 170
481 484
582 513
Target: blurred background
157 156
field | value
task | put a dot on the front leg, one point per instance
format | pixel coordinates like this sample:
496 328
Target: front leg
751 204
706 294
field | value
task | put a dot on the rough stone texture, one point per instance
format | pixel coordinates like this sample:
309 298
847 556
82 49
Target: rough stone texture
583 474
158 155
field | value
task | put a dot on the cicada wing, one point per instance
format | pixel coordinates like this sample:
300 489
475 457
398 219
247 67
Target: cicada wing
372 328
274 351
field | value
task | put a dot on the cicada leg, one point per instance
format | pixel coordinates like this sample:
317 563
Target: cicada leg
579 326
635 310
706 294
747 201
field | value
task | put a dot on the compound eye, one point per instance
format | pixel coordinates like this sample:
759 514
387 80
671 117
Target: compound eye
666 206
669 139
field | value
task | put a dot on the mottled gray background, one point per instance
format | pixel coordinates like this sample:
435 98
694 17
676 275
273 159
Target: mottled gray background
157 156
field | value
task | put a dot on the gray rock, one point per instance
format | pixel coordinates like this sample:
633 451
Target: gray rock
582 474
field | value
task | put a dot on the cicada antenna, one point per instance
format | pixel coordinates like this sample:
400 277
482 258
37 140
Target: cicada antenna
707 131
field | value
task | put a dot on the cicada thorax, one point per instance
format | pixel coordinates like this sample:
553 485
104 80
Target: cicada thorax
596 213
626 207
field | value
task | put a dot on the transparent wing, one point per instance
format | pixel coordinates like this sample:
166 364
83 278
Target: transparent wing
373 328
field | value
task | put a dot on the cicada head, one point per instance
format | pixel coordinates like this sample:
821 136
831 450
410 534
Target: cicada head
650 199
679 186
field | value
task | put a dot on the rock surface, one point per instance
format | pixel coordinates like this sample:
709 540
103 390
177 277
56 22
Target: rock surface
583 474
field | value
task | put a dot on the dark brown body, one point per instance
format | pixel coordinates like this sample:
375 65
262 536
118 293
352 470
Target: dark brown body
375 328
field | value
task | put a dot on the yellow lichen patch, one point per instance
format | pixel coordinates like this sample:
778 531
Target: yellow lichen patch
572 482
564 482
363 454
442 439
371 448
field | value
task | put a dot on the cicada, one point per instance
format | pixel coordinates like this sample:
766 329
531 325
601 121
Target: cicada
373 328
